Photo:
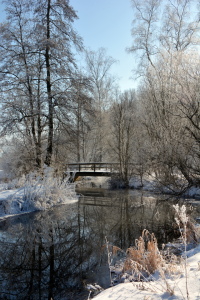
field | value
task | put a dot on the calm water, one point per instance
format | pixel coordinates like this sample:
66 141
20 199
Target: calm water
56 252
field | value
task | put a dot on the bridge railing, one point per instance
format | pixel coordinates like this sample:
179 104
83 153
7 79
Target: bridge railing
92 166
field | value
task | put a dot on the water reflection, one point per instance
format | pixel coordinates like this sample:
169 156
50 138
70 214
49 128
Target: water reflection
49 254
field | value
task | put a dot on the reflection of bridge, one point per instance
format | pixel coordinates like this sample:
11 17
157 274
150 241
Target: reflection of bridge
91 169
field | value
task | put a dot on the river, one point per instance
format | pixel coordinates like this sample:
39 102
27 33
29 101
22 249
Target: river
55 253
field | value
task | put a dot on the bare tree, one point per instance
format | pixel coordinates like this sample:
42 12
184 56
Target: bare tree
98 66
165 36
36 71
19 69
180 26
83 111
123 134
57 37
170 27
145 31
168 102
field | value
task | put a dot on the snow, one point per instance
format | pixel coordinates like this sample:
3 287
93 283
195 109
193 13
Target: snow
4 195
160 287
35 193
15 201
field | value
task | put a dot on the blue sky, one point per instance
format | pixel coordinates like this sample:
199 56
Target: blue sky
107 24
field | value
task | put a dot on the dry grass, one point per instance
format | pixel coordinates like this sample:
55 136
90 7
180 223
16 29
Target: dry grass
145 256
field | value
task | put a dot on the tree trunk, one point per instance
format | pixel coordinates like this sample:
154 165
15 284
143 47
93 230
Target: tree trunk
37 141
49 151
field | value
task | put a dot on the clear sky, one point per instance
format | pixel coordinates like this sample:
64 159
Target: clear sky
107 24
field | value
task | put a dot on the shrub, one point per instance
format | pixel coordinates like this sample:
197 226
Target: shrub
39 192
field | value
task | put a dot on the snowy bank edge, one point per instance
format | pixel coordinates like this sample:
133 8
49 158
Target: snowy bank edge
135 290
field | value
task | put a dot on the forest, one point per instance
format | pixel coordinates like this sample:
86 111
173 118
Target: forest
54 111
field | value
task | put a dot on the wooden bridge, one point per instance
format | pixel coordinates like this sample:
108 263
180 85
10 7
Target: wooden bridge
91 169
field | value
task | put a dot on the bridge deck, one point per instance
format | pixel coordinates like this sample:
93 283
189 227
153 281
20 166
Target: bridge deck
91 169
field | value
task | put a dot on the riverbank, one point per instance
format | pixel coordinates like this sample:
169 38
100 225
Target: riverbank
171 286
184 284
149 183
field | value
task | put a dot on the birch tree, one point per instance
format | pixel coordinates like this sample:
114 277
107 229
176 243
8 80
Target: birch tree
145 32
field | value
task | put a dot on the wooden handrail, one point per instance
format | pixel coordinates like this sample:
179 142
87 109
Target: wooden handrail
92 165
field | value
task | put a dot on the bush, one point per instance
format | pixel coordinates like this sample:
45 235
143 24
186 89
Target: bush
38 192
43 192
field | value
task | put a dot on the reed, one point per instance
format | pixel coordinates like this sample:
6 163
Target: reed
145 256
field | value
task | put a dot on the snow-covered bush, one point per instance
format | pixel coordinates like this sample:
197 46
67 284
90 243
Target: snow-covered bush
39 192
44 191
14 183
153 270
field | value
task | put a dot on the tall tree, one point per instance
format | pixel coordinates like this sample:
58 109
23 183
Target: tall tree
19 67
123 133
145 31
170 106
167 25
36 70
57 37
98 65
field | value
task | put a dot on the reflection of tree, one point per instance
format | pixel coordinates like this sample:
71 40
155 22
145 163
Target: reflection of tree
124 216
45 259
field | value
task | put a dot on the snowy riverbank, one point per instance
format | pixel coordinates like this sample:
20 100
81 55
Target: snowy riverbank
171 287
149 183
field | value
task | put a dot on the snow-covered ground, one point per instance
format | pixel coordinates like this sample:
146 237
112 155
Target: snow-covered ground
171 287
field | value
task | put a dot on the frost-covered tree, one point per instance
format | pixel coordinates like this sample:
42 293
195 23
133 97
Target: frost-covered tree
144 31
36 71
98 65
166 38
167 25
123 133
54 20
